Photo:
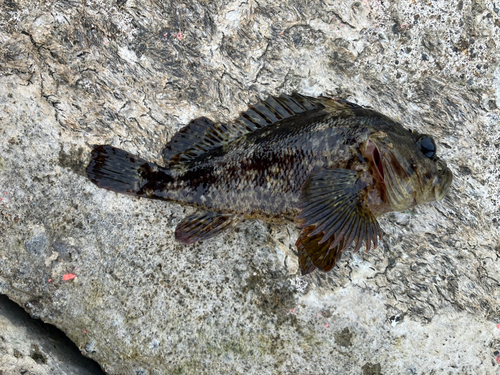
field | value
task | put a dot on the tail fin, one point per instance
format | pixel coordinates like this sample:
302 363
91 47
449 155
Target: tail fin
116 170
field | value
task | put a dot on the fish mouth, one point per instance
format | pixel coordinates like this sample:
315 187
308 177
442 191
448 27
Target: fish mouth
446 177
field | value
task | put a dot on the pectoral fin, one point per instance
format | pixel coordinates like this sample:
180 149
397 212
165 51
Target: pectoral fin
203 225
332 217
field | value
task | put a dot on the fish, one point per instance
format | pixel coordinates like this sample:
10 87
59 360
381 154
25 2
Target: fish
330 166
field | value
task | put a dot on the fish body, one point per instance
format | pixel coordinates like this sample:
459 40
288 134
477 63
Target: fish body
327 164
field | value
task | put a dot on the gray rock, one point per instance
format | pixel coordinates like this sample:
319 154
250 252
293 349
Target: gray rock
29 346
130 74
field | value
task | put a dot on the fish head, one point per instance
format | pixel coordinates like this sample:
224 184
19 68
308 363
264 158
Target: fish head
408 168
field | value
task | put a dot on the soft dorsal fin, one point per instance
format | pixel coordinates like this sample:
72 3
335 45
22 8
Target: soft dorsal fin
202 135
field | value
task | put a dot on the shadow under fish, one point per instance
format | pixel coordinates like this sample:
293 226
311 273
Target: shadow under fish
327 164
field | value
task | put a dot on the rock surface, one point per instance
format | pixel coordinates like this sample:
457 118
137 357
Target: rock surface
131 73
30 347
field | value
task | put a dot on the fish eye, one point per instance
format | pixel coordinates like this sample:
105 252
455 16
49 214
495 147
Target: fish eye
427 146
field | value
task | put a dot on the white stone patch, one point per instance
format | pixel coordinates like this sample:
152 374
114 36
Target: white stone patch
310 87
185 113
299 283
127 55
361 268
230 20
233 18
454 338
451 338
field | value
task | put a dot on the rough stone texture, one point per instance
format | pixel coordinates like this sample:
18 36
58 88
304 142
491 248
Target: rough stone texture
131 73
30 347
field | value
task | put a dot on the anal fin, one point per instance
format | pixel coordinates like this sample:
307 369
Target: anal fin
203 225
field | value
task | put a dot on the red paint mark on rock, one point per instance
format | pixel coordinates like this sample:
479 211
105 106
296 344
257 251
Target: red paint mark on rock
179 36
498 326
68 276
498 359
50 280
84 331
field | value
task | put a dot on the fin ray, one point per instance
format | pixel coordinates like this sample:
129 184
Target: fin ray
202 134
322 256
203 225
117 170
332 218
306 265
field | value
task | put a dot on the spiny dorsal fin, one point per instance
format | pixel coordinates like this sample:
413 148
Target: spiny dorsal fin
333 217
202 135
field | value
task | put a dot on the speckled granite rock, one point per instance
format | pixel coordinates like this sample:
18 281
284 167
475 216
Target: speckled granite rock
130 74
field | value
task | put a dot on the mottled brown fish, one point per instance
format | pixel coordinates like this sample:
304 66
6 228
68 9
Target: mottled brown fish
330 165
